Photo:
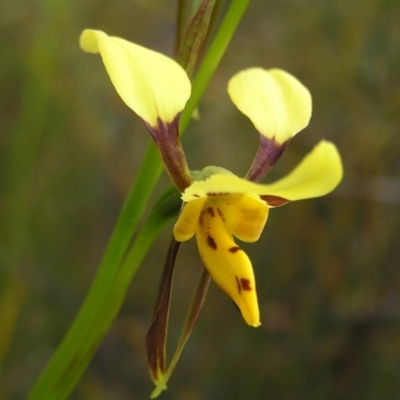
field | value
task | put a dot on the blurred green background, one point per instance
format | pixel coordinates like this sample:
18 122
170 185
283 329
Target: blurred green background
328 270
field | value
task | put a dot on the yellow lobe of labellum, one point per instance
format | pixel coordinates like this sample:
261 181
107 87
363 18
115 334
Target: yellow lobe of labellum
188 220
153 85
246 217
277 104
227 263
318 173
215 220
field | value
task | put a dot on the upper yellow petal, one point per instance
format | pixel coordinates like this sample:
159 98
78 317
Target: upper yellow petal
150 83
318 173
275 101
227 263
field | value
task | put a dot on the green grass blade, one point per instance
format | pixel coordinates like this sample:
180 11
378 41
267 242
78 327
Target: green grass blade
66 367
213 57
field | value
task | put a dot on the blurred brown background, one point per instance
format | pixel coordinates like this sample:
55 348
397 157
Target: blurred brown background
328 269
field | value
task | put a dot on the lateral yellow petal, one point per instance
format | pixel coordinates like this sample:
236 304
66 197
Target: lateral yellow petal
276 102
246 219
227 263
150 83
318 173
188 220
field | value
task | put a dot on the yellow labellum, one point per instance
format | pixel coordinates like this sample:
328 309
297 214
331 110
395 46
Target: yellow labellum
277 103
215 220
227 263
153 85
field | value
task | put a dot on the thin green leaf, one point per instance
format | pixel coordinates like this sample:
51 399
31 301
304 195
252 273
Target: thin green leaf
213 57
74 354
180 24
196 33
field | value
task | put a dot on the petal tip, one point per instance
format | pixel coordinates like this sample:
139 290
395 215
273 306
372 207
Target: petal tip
250 314
88 41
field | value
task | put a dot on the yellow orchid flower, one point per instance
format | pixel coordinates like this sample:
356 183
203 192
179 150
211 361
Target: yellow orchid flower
221 206
218 205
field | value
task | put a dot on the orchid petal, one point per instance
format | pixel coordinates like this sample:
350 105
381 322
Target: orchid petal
275 101
318 173
186 226
245 219
153 85
228 264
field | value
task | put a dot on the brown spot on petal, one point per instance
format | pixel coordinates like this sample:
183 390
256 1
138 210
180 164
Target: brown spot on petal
210 210
211 242
234 249
245 284
239 287
216 193
274 201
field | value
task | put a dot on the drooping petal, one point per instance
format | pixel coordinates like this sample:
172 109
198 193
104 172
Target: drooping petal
275 101
246 218
186 226
227 263
150 83
318 173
